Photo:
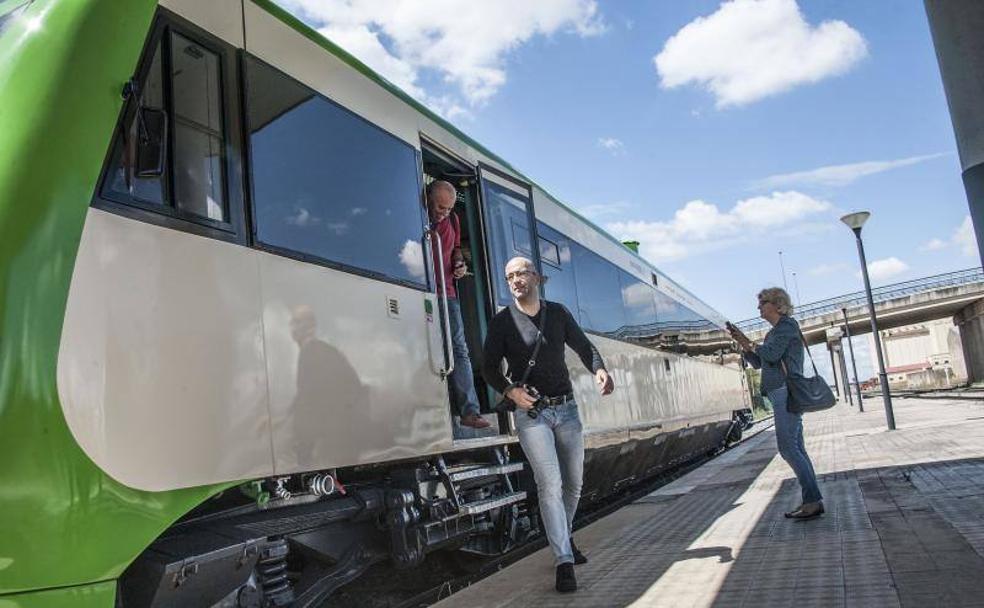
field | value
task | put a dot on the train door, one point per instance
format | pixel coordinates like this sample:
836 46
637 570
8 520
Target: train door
510 228
471 291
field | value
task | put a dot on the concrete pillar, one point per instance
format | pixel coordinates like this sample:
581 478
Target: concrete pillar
957 27
970 320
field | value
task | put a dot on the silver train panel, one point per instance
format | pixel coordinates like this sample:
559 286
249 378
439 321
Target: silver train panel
350 382
181 359
161 371
649 398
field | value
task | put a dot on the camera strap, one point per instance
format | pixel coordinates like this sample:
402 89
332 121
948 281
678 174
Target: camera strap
520 319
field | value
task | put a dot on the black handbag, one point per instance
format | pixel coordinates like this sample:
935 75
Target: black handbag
807 394
506 404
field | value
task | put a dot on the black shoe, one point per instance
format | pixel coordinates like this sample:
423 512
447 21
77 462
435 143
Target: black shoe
807 511
579 558
566 581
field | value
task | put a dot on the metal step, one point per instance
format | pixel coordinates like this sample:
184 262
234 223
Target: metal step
499 469
474 508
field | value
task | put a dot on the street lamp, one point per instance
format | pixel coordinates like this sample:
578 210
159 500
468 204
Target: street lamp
855 221
854 364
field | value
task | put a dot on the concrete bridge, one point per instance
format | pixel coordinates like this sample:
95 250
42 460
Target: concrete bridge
896 305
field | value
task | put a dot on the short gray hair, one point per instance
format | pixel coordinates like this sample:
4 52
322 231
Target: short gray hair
440 184
779 298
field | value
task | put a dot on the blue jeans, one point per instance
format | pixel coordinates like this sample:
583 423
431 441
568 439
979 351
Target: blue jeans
461 381
554 446
789 438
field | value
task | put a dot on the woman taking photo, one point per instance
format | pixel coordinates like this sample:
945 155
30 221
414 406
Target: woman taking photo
779 355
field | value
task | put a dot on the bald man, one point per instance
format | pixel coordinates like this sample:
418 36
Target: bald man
550 429
441 197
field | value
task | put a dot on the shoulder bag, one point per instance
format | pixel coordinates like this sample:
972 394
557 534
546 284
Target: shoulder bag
807 394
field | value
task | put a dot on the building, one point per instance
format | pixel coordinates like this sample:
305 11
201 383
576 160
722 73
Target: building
922 355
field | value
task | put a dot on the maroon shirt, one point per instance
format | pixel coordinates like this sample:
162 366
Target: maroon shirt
450 231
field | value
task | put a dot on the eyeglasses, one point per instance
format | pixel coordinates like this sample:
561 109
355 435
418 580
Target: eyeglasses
510 276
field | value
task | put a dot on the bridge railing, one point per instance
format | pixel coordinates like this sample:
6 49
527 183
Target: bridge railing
879 294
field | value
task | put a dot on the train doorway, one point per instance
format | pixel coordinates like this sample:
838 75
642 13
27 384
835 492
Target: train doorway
472 290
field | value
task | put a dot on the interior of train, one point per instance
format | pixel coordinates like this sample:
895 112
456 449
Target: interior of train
473 288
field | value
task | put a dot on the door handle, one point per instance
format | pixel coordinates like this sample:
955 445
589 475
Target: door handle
442 297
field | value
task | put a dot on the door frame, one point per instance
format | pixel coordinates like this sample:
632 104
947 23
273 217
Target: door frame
517 185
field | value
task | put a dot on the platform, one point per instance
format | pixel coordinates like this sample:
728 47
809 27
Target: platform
904 525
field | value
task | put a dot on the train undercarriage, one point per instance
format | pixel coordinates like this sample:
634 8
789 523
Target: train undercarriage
293 540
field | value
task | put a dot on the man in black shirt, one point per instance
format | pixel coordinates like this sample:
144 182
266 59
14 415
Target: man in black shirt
551 432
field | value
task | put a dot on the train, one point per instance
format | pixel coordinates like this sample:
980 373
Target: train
224 361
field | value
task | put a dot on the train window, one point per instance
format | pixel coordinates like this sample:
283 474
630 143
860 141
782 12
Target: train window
549 252
123 179
555 252
599 292
639 302
169 157
521 238
198 138
505 210
329 186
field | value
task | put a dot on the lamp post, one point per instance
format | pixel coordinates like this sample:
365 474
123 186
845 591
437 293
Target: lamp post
854 363
855 221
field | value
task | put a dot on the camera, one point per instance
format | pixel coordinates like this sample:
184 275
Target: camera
534 411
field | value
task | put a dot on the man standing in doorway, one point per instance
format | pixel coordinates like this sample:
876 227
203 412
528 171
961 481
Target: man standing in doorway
441 197
547 419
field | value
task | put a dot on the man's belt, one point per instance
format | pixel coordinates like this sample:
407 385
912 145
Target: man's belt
558 400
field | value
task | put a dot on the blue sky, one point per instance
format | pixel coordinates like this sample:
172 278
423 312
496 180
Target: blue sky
762 122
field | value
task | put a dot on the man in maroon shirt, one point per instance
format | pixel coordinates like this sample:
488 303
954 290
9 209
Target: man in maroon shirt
441 197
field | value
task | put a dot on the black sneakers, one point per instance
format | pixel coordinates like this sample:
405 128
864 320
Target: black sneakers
579 558
566 581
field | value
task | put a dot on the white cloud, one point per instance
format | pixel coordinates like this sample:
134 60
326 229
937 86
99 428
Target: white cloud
751 49
302 217
464 45
881 270
412 258
839 175
933 245
615 146
965 238
700 226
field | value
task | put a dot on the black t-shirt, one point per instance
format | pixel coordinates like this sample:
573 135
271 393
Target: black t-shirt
515 344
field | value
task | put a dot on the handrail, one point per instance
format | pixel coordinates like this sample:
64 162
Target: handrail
443 297
879 294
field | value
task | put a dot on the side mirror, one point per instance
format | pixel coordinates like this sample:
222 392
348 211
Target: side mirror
151 142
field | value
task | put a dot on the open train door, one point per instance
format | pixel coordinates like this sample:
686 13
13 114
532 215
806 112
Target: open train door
509 225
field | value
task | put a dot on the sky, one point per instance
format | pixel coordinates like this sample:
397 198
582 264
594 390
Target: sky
716 134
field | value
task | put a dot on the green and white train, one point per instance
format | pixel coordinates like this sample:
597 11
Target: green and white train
223 368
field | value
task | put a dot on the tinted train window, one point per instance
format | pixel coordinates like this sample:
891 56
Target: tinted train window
198 140
329 185
675 316
639 302
599 292
555 253
191 184
507 222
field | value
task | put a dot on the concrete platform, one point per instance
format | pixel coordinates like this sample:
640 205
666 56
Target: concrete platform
904 525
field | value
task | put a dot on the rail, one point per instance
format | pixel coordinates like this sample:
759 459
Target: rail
879 294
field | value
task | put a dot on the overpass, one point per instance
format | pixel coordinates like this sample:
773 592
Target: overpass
896 305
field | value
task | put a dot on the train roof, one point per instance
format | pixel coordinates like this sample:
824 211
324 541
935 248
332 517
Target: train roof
315 36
